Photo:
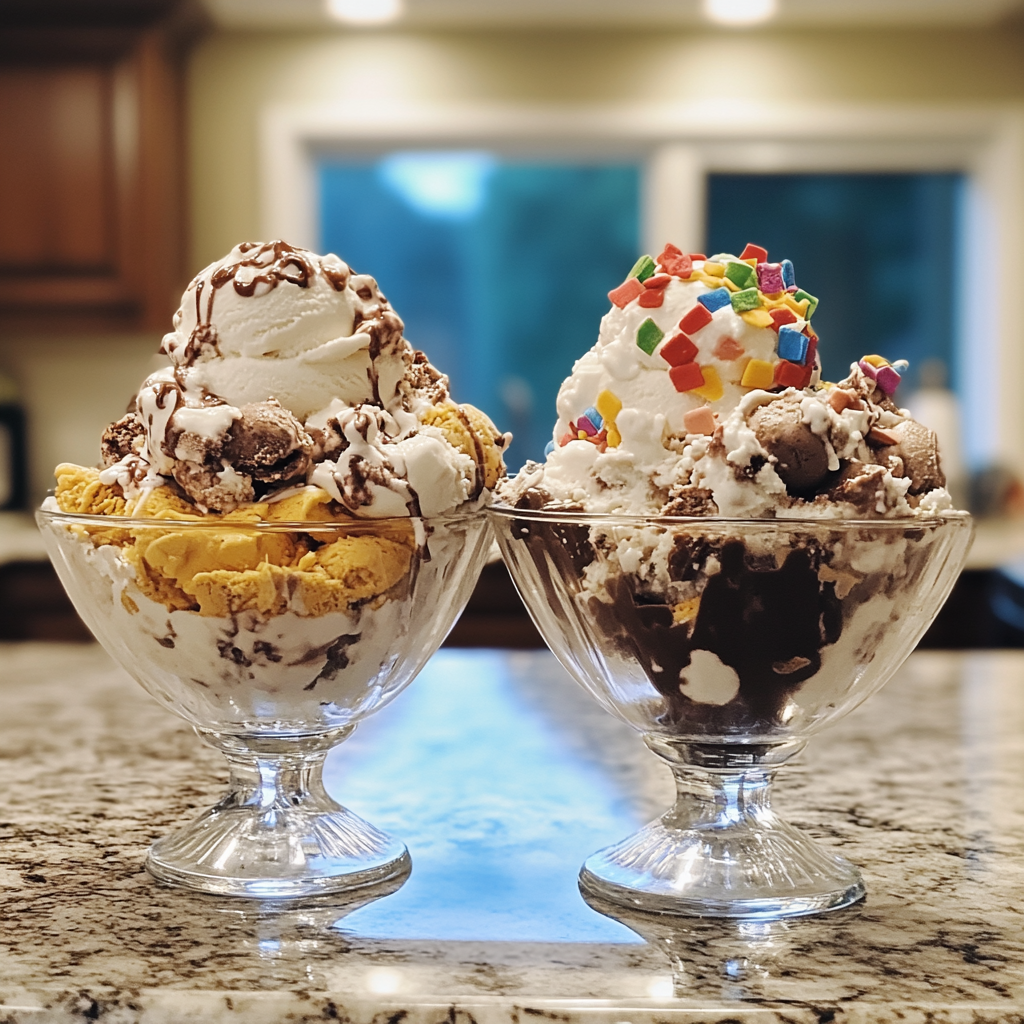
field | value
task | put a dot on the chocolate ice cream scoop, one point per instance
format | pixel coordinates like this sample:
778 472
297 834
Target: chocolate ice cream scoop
268 442
801 456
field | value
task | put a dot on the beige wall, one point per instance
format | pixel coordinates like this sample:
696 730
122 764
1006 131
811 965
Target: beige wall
233 76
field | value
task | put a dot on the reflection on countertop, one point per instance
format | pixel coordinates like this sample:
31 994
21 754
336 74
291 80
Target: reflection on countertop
501 776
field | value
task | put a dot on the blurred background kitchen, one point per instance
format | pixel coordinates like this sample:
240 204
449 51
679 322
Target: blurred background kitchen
498 165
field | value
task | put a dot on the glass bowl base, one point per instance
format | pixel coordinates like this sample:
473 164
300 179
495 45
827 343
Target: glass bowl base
245 851
738 873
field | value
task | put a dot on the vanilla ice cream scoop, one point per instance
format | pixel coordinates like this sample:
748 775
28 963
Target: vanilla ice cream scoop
702 396
276 352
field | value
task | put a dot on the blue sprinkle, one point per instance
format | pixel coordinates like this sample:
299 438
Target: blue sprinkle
549 448
788 274
594 416
792 345
714 300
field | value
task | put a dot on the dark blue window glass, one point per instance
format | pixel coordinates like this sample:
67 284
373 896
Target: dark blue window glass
878 250
500 269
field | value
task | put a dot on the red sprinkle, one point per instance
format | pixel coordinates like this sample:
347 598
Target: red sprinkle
697 256
754 252
626 292
657 281
678 350
782 316
686 377
791 375
812 349
728 349
566 438
652 298
698 317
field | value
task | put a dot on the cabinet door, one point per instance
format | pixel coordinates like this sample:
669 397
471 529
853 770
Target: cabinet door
90 211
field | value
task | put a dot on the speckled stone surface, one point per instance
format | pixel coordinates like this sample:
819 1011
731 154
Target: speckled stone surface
501 777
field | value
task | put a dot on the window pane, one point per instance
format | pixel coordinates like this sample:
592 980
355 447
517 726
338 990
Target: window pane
500 269
877 249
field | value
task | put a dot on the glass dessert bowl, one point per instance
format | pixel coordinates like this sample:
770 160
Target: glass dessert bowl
727 643
273 639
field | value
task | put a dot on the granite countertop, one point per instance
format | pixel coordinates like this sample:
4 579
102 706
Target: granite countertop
502 776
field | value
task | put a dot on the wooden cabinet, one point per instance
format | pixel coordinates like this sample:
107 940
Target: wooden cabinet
92 212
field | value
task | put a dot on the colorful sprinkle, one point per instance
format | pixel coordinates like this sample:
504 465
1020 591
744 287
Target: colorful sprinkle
782 315
614 438
712 389
769 278
728 349
713 269
888 379
642 269
741 274
675 262
585 426
678 350
749 298
626 292
652 298
549 448
715 299
754 252
594 416
791 375
792 344
758 373
698 317
812 303
757 317
688 376
788 274
609 405
648 336
699 421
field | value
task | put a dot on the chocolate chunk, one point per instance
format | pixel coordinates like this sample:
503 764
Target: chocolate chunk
121 438
801 456
268 443
918 447
861 484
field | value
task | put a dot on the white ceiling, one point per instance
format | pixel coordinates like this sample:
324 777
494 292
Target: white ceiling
277 14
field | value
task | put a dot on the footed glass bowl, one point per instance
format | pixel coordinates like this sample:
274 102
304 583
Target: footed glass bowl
273 640
727 643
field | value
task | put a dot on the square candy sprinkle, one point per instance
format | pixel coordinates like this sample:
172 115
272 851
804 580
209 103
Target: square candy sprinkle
648 336
715 299
642 269
757 317
758 373
626 292
788 274
699 421
651 298
792 344
754 252
687 377
727 349
769 278
698 317
712 388
790 375
741 274
609 405
746 299
678 350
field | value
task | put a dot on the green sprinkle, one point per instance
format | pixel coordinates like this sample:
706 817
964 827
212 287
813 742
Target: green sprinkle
742 275
812 302
648 335
749 298
642 269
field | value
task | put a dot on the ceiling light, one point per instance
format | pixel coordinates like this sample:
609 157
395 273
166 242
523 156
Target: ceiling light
365 12
740 12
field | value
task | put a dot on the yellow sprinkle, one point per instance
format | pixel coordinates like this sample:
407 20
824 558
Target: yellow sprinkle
609 405
714 269
711 389
581 435
876 361
758 374
614 438
800 308
752 261
773 299
758 317
731 285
